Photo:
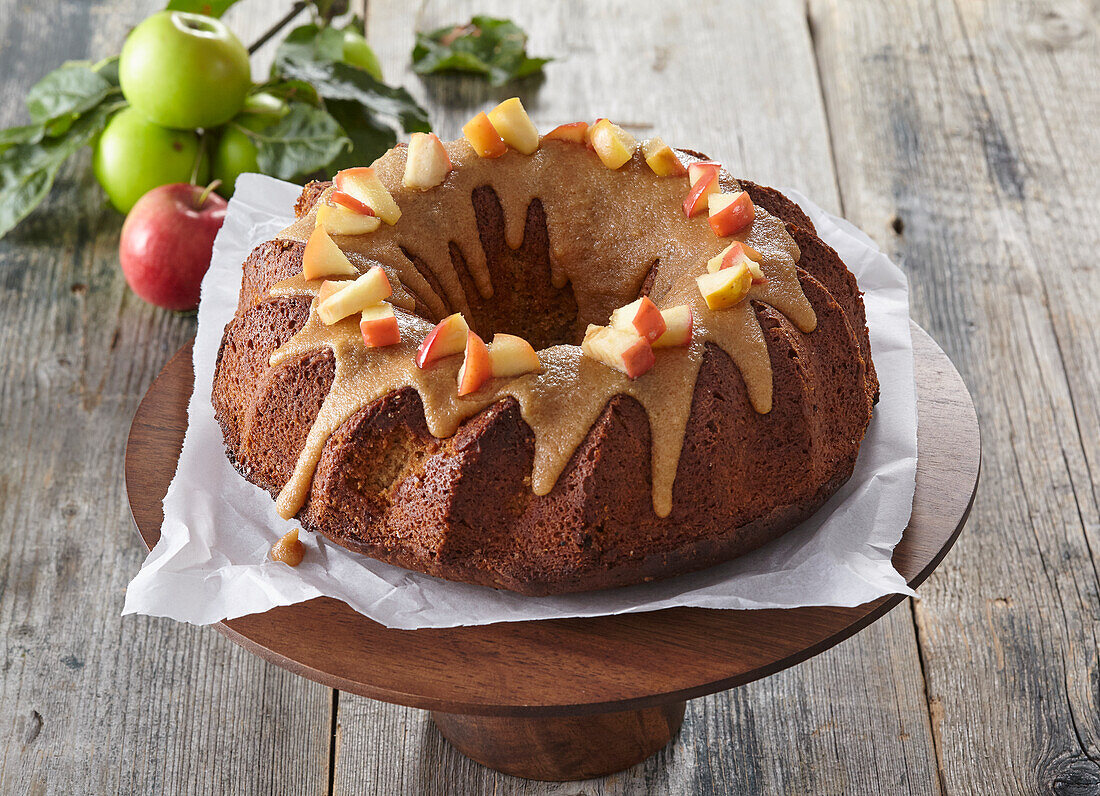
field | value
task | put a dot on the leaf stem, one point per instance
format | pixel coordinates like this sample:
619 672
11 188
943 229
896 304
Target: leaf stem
295 10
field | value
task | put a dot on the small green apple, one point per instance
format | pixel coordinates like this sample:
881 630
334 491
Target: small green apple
184 70
358 53
133 156
235 152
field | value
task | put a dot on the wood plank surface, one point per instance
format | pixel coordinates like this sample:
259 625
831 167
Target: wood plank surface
975 128
92 703
851 720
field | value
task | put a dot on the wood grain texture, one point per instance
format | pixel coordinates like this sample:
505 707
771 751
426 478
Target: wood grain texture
89 702
977 163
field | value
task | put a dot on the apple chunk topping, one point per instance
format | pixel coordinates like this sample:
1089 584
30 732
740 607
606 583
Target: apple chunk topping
427 163
447 338
514 126
483 137
477 365
379 326
574 133
322 257
730 213
660 157
614 145
624 351
679 324
363 184
369 289
738 253
726 287
704 182
641 317
512 356
350 202
339 220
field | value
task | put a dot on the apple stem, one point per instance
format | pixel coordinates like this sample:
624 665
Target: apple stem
206 193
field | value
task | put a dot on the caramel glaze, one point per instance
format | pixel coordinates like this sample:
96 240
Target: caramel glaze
607 228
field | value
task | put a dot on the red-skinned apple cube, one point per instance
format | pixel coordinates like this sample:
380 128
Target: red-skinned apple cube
574 133
483 137
614 145
379 326
329 286
730 213
477 366
446 339
369 289
725 288
624 351
699 195
514 126
322 257
641 317
363 184
427 163
512 356
737 253
660 157
339 220
350 202
679 324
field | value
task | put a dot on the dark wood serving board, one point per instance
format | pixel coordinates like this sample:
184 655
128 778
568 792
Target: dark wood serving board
573 698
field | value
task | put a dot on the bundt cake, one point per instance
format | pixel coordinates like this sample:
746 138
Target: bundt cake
665 389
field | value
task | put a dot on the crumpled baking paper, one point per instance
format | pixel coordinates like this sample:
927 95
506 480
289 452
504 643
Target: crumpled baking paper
211 564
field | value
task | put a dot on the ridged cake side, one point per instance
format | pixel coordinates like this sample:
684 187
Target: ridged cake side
462 507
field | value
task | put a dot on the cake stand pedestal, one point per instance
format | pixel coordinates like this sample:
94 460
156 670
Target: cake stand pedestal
569 699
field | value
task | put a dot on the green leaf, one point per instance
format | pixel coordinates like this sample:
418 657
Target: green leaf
28 134
370 136
311 43
338 81
493 48
28 169
210 8
108 70
290 90
303 141
68 90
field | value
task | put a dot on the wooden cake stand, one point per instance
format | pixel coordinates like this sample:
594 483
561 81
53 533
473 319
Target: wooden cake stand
569 699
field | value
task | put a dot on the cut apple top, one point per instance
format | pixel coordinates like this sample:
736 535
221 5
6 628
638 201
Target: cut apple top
613 209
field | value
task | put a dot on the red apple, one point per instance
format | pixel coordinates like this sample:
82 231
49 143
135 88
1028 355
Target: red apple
427 163
447 338
379 326
167 241
483 137
730 213
678 327
350 202
574 133
477 366
641 317
624 351
512 356
704 182
662 159
362 183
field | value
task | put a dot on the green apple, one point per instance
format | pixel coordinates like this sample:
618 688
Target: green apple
184 70
133 156
358 53
235 152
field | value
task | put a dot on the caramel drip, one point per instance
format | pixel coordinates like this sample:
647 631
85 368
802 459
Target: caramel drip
637 219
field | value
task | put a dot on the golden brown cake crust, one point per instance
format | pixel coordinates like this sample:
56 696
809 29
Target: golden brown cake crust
462 507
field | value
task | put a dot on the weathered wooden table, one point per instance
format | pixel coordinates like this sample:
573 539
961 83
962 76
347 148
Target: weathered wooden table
962 137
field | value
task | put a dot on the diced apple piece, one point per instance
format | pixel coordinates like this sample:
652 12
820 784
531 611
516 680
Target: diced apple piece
614 145
730 213
701 169
379 326
477 365
624 351
512 356
483 137
362 183
738 253
447 338
725 288
574 133
514 126
338 220
641 317
427 162
705 184
679 324
350 202
328 287
322 257
369 289
661 159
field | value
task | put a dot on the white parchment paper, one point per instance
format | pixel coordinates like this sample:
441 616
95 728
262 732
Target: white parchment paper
210 563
